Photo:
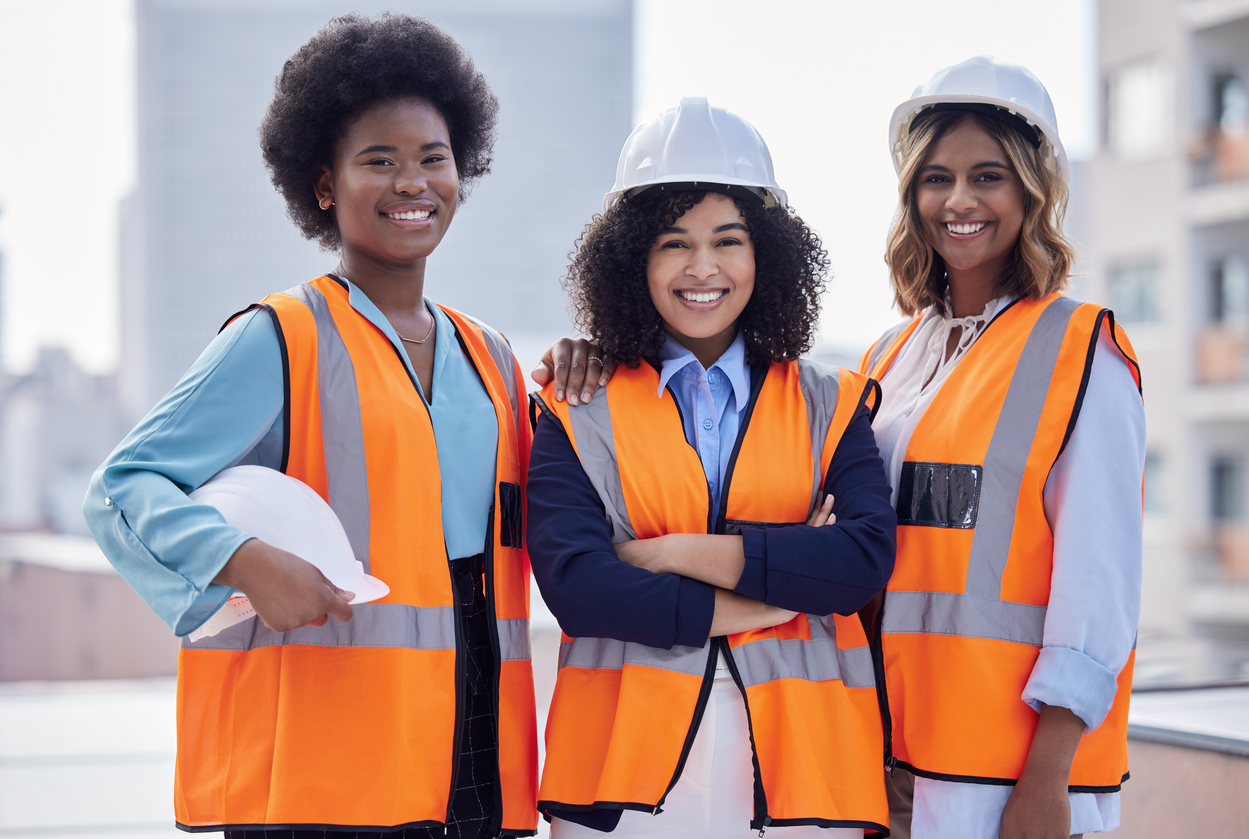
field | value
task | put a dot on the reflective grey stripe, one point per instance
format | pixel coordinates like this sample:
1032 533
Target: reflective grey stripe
342 432
596 449
883 344
1008 451
965 615
513 639
610 654
505 361
817 660
390 625
819 388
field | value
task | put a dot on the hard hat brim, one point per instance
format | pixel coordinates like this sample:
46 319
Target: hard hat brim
702 182
366 589
905 113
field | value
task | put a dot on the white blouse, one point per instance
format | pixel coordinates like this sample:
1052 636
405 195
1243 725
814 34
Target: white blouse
1093 504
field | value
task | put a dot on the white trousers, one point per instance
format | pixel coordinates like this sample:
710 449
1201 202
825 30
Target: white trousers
715 795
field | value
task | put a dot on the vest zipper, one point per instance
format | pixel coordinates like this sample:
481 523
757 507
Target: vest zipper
460 667
762 820
704 692
496 822
875 643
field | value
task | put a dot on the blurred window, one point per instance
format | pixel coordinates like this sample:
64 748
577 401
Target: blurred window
1153 484
1232 104
1136 109
1134 292
1230 292
1225 488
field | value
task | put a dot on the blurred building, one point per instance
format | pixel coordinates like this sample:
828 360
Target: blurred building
205 233
1168 222
57 423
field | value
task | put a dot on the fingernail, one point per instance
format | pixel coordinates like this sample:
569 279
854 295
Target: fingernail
602 381
586 396
559 395
572 399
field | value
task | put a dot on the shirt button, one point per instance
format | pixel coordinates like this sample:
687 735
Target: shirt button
108 502
711 377
707 424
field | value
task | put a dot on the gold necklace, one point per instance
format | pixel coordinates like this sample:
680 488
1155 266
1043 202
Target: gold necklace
432 323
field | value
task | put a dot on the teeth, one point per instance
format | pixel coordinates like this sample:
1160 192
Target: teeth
965 227
701 296
410 215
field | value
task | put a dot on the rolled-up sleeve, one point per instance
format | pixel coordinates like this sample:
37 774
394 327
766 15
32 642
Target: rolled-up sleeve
836 568
1093 503
591 592
226 410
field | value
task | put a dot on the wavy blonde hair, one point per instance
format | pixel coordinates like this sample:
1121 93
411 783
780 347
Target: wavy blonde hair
1042 258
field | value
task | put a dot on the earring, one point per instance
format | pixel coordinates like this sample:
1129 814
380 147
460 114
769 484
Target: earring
323 205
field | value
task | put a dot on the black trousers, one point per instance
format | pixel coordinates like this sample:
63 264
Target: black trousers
476 783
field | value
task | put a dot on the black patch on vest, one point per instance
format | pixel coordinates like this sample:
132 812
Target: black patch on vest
733 527
511 520
939 494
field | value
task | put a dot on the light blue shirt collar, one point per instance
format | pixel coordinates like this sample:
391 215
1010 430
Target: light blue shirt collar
732 364
444 327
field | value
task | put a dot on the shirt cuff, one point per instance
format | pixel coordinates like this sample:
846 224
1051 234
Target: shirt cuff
696 606
754 579
1068 678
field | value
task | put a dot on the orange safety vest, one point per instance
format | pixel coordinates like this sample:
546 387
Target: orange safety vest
357 723
964 612
624 715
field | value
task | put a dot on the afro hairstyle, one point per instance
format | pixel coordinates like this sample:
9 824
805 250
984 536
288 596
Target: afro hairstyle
611 300
350 65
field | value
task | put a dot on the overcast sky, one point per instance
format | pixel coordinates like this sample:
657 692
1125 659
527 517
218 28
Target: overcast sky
818 79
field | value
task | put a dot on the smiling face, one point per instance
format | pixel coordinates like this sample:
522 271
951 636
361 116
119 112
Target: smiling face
971 203
701 273
393 183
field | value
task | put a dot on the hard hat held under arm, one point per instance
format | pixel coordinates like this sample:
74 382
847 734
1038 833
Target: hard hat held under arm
288 514
696 146
984 83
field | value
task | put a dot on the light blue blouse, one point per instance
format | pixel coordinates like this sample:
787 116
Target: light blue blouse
226 411
711 402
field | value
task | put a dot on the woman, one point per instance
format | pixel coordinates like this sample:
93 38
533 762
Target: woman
411 716
1012 430
717 682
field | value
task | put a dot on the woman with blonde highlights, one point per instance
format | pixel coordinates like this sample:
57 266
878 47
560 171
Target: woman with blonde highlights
1013 434
1043 255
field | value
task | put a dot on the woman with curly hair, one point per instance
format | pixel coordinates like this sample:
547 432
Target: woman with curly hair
413 715
1013 432
706 528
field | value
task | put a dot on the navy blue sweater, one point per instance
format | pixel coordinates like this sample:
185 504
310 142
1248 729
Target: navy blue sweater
819 570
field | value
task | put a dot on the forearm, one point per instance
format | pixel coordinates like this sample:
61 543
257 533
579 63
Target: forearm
1053 748
710 558
735 613
1039 806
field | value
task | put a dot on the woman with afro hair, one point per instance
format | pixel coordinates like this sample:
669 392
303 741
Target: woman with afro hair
410 716
706 528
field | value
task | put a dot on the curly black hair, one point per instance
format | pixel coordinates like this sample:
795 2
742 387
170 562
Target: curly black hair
611 300
351 64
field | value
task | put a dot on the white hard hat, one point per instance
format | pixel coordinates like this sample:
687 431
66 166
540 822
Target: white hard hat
287 514
1008 89
696 146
